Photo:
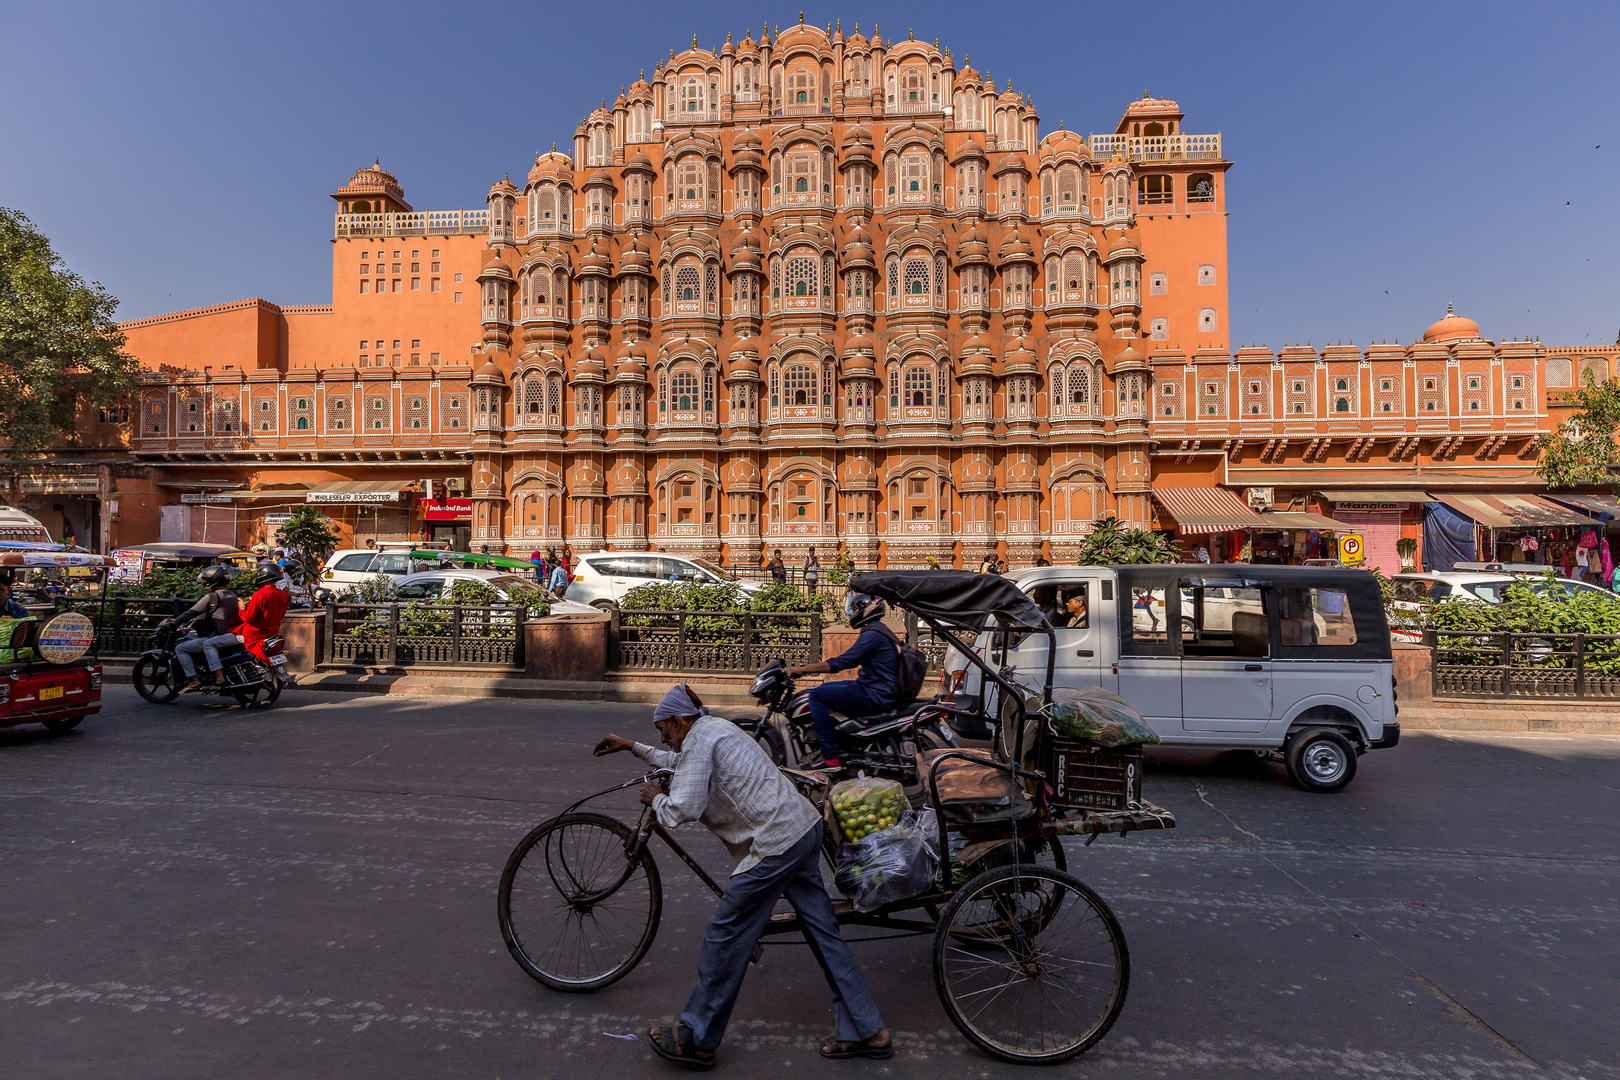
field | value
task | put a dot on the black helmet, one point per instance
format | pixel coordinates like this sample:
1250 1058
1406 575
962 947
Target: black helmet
862 608
214 576
268 574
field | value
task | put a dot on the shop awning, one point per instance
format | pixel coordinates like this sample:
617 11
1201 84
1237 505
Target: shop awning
1294 519
1380 496
357 491
1592 504
1511 511
1206 510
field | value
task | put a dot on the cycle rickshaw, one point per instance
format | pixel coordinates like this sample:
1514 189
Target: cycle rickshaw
1029 962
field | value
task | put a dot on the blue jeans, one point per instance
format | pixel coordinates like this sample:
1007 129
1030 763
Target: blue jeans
845 696
208 646
736 927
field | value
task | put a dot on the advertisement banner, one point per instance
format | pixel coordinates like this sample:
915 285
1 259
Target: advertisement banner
447 510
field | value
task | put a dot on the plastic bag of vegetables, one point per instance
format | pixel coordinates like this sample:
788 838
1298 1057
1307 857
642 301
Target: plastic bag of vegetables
866 804
891 864
1095 716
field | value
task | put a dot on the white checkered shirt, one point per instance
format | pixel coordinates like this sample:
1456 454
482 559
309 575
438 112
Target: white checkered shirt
723 779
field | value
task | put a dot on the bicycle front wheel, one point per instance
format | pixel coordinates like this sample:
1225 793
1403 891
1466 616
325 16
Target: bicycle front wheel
577 911
1049 983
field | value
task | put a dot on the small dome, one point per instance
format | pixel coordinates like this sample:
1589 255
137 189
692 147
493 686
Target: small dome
551 165
599 178
1452 328
972 247
747 139
742 361
1124 241
858 135
488 373
591 365
1018 357
634 260
970 150
1129 359
490 265
1016 249
595 262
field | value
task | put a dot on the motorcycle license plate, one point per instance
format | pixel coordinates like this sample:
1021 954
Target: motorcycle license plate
279 661
46 693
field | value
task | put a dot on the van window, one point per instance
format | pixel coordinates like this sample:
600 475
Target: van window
1222 621
426 589
1148 631
1054 600
1315 617
356 562
680 570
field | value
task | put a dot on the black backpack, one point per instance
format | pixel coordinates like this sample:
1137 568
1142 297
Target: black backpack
913 667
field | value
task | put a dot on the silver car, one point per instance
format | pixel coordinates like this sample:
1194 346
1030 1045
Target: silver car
431 585
602 579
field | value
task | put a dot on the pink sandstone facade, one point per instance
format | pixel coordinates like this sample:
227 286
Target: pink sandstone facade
809 290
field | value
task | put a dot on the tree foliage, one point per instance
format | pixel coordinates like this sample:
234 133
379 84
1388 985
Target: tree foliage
59 346
309 535
1109 542
1582 449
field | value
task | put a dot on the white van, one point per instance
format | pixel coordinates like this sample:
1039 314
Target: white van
601 579
1285 659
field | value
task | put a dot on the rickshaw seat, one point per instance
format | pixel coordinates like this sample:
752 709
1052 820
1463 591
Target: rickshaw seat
973 790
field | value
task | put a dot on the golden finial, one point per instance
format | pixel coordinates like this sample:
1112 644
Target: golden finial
910 34
537 157
672 54
642 77
694 41
936 43
553 146
840 25
857 28
728 37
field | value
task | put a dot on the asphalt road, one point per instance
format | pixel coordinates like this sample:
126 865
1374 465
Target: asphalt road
310 892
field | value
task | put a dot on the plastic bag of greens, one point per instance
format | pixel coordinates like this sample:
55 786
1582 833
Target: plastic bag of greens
1094 715
890 865
865 805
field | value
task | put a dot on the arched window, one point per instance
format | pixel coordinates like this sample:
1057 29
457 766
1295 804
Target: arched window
916 277
684 388
1079 388
801 276
919 387
1341 405
686 283
800 380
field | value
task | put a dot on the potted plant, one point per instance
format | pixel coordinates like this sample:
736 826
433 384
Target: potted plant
1406 548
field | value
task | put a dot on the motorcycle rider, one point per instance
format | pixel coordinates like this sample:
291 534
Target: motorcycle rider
262 616
876 690
217 615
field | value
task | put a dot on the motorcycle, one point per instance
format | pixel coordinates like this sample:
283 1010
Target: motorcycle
885 745
252 681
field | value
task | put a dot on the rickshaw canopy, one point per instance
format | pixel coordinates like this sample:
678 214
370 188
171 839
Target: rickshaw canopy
959 597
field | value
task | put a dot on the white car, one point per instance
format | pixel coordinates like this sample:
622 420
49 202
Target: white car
435 585
1412 591
602 579
352 566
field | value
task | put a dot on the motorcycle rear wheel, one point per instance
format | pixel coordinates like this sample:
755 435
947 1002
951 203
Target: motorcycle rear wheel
154 679
261 695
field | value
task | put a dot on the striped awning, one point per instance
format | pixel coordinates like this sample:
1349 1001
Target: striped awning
1511 511
1592 504
1297 519
1206 510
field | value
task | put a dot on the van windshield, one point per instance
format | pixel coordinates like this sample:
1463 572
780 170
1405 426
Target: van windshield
719 572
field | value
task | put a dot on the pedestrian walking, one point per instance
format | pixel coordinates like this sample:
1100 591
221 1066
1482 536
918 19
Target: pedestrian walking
812 571
558 582
537 562
723 780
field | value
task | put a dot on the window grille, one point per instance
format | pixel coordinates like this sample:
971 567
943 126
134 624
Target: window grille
686 283
683 391
800 382
916 280
801 276
919 387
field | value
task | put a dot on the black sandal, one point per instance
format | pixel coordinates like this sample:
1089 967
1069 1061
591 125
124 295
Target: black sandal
843 1051
666 1044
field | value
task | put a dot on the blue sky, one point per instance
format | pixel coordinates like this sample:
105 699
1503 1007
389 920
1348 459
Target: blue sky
183 154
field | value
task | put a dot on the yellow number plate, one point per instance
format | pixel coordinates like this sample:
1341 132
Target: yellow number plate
48 692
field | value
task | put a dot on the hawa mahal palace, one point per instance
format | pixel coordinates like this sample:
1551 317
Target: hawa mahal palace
807 289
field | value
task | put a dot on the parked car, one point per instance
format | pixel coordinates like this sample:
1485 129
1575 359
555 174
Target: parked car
1412 591
602 579
351 566
1284 660
434 584
190 556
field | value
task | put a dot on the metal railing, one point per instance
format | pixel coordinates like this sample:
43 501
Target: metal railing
423 635
417 223
1505 664
125 626
921 637
715 641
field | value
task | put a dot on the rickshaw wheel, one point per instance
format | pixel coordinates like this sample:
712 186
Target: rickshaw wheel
1047 989
153 677
576 913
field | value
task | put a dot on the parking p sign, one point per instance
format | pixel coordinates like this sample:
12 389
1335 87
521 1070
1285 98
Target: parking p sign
1352 552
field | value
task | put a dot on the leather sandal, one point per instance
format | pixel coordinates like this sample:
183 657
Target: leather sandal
866 1048
666 1043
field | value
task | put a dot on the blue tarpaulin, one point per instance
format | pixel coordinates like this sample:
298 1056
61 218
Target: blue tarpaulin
1448 537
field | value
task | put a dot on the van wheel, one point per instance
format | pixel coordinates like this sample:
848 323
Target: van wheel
1320 760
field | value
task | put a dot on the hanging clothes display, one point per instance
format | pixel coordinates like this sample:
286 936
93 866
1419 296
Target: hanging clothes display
1606 563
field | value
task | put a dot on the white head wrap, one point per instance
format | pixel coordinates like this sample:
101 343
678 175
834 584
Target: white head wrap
678 702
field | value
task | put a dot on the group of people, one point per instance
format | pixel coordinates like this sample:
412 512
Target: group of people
554 572
811 570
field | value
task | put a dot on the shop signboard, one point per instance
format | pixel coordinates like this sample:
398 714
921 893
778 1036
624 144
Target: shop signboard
1371 507
352 496
208 498
447 510
59 484
1352 550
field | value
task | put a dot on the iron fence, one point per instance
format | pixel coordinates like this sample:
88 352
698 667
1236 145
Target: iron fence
423 635
712 641
921 636
124 627
1505 664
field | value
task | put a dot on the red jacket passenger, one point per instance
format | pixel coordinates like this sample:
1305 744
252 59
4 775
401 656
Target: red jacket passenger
261 616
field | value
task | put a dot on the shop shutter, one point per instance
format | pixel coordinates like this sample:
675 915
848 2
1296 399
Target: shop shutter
1379 532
